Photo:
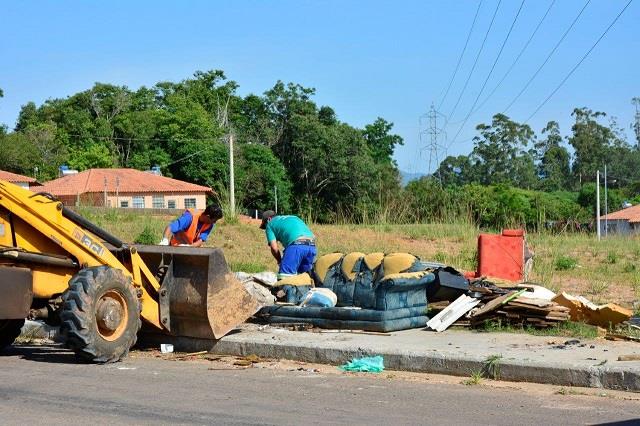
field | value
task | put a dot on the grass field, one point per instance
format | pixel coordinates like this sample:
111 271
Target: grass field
605 271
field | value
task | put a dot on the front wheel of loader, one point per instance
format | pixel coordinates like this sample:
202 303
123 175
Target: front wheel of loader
9 331
100 315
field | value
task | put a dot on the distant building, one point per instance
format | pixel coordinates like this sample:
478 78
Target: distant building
625 221
25 182
127 188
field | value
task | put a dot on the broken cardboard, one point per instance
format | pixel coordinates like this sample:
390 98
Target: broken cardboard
581 309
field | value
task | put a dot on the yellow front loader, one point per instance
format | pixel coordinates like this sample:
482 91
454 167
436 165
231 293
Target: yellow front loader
58 267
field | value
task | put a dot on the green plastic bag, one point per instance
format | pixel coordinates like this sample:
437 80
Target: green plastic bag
373 364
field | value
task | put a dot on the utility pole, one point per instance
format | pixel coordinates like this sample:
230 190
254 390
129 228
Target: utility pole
598 202
275 193
105 192
435 134
606 204
232 182
636 124
118 191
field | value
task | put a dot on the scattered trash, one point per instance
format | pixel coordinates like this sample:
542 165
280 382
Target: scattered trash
451 313
613 336
582 309
189 355
308 370
166 348
374 364
536 292
126 368
372 333
292 326
631 357
320 297
248 360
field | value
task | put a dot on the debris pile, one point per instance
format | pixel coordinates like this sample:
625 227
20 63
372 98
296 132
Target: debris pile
525 305
514 309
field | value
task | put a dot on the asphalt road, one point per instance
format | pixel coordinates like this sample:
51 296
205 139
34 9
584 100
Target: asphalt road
44 384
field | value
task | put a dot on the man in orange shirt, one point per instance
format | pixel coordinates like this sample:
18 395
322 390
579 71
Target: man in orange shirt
192 228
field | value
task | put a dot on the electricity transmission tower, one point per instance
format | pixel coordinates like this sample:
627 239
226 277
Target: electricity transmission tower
433 137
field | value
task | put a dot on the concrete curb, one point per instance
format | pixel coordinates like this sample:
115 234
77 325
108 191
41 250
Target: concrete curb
556 372
447 363
562 368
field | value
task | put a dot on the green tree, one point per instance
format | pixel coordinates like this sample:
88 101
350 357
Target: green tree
380 141
90 157
259 176
499 154
590 141
18 155
587 198
428 200
455 171
553 167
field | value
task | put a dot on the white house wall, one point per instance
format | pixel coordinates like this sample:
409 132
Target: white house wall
179 199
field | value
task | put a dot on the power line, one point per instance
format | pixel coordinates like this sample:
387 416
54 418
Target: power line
515 61
580 61
461 55
219 138
476 61
504 42
548 57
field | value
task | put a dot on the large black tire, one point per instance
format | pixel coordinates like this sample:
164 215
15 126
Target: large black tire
9 331
100 315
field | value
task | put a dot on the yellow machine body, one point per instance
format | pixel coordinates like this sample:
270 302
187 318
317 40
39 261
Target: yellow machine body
182 290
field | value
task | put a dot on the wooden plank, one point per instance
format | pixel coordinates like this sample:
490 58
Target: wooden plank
541 303
493 305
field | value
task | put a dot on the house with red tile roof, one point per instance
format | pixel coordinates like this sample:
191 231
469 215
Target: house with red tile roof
625 221
127 188
25 182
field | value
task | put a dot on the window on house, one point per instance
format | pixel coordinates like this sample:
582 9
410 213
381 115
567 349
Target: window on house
138 202
171 204
189 203
124 204
158 201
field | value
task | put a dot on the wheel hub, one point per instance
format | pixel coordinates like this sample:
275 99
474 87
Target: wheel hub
111 315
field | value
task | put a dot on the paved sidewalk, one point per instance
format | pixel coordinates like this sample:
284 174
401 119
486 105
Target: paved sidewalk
520 357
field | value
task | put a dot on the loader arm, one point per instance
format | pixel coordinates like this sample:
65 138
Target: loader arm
37 223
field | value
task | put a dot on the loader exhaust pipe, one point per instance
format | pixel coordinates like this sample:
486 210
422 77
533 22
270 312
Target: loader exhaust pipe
91 227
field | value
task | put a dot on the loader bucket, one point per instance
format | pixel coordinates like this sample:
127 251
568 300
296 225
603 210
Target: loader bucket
199 296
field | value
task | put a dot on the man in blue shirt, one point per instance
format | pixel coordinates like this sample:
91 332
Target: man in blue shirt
297 239
192 228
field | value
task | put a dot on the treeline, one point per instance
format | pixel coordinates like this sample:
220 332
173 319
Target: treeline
285 144
320 167
515 177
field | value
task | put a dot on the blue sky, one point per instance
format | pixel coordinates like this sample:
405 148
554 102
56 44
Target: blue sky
365 58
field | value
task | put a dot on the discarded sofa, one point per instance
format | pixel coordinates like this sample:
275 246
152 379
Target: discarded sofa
375 292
